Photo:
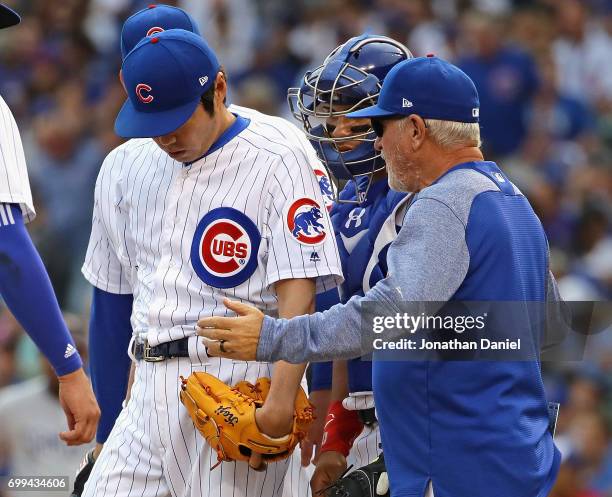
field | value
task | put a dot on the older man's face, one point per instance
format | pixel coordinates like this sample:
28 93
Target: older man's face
394 144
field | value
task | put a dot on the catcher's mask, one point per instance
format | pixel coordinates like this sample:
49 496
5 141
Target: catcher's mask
349 78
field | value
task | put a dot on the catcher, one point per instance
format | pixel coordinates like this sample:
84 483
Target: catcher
364 220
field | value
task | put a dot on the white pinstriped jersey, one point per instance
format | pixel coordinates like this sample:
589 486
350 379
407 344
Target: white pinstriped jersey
14 183
154 227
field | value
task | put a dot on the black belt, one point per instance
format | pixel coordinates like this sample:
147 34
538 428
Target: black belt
161 352
367 416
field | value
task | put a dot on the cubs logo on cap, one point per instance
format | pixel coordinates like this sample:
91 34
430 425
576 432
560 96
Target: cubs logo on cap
153 20
304 222
326 188
143 93
224 248
154 30
180 67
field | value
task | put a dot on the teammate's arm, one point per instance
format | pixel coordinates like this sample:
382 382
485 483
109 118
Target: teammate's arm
331 462
320 389
27 291
295 297
110 331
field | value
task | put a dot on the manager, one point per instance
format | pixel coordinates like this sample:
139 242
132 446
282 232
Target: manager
468 429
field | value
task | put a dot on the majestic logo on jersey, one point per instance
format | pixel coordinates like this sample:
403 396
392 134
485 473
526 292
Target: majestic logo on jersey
141 88
224 248
303 219
326 188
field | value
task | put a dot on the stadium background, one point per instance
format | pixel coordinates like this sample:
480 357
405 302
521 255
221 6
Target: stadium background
544 73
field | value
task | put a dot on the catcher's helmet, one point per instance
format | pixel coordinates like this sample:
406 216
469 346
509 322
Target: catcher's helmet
349 78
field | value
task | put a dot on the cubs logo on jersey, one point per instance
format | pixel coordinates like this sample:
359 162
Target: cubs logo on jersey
224 248
326 188
305 222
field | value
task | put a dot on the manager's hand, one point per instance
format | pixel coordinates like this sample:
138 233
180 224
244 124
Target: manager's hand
235 338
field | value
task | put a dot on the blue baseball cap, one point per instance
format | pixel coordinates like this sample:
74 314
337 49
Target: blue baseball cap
8 17
151 21
429 87
165 77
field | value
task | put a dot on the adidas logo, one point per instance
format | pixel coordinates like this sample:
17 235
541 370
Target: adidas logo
70 350
499 177
406 103
203 80
314 257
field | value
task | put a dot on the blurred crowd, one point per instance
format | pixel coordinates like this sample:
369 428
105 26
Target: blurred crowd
543 69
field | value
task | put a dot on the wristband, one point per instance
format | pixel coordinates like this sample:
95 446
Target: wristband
341 429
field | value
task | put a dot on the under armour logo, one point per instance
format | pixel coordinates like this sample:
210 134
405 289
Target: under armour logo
203 80
355 215
406 103
140 89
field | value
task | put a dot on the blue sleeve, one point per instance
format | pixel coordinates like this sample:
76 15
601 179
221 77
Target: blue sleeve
110 332
423 266
27 291
322 371
321 376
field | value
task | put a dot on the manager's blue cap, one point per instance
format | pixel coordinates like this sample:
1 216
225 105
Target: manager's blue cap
8 17
429 87
153 20
165 77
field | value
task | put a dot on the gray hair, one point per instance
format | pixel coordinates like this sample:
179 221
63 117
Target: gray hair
449 134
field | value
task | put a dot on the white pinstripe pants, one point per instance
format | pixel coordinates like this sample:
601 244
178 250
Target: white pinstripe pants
154 449
297 481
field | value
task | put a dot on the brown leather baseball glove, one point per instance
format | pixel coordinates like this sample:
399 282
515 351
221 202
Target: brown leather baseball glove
225 416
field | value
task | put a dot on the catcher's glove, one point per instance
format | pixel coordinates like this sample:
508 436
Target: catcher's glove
225 416
83 474
368 481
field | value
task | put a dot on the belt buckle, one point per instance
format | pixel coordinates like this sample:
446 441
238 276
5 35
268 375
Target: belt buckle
146 353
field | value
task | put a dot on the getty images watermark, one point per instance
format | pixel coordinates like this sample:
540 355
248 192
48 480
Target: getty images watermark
517 331
424 323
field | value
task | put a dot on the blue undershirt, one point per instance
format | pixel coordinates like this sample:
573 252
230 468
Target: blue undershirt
110 332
